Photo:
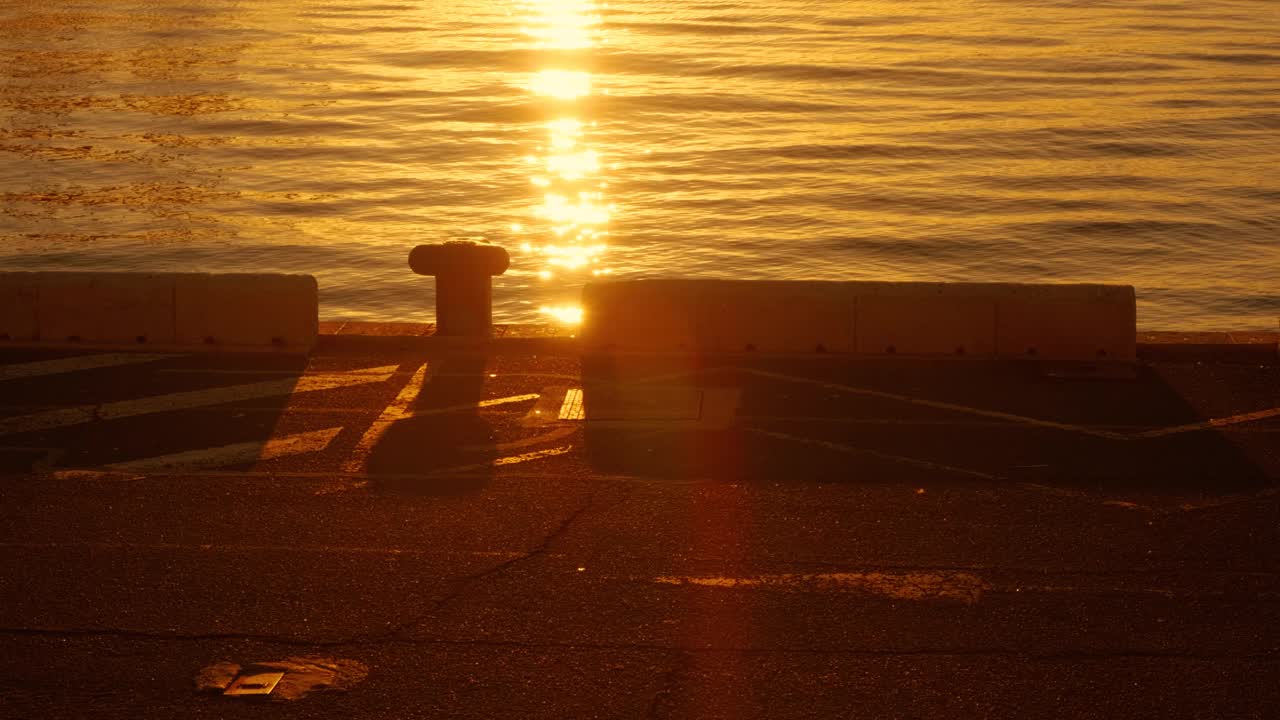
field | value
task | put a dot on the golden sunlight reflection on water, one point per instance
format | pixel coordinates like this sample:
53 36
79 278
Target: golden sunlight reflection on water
995 141
569 228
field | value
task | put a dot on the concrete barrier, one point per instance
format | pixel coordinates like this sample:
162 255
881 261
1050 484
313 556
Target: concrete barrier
247 310
110 308
1049 322
776 317
924 319
643 315
160 310
1067 322
18 297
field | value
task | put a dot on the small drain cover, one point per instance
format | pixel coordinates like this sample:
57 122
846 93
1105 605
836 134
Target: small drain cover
254 684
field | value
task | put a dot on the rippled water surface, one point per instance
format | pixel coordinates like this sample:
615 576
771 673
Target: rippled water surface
1003 140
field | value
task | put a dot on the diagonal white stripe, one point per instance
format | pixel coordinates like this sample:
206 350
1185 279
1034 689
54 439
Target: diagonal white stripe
245 452
1213 424
1011 417
850 450
64 417
74 364
924 586
397 410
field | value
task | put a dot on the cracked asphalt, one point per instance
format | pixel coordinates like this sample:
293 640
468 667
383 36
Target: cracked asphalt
733 536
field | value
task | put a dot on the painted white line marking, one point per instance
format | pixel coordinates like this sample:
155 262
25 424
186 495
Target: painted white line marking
397 410
1011 417
74 364
64 417
557 434
250 371
506 400
941 585
572 408
926 464
474 406
61 417
237 453
526 457
1213 424
502 461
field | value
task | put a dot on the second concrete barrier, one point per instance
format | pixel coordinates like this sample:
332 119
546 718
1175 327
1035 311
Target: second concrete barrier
148 310
1053 322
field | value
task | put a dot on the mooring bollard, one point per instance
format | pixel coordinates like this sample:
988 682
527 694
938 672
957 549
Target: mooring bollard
464 287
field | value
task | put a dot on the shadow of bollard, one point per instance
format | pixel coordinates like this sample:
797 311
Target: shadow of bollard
431 452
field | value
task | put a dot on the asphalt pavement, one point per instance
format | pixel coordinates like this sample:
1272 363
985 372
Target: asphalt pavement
511 530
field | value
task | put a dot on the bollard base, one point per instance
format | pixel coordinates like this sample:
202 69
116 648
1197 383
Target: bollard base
464 306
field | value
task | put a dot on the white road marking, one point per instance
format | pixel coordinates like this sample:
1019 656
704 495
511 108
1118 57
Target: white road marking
526 457
75 364
64 417
572 408
397 410
502 400
502 461
1213 424
923 586
400 409
251 371
954 585
557 434
926 464
234 454
464 407
1011 417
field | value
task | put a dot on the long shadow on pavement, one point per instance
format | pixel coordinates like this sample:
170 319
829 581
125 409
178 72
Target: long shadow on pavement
832 420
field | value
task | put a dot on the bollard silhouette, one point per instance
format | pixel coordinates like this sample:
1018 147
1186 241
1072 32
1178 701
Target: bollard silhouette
464 288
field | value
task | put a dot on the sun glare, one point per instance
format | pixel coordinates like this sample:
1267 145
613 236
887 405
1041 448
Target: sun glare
563 24
561 84
568 227
564 314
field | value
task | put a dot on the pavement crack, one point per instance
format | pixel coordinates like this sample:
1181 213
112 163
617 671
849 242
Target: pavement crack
463 584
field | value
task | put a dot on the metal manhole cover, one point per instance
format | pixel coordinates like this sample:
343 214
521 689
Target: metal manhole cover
254 684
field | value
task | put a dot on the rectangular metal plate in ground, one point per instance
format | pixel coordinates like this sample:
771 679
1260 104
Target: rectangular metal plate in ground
255 684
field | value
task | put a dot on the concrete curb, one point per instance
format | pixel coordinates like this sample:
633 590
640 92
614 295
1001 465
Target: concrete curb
1047 322
160 311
